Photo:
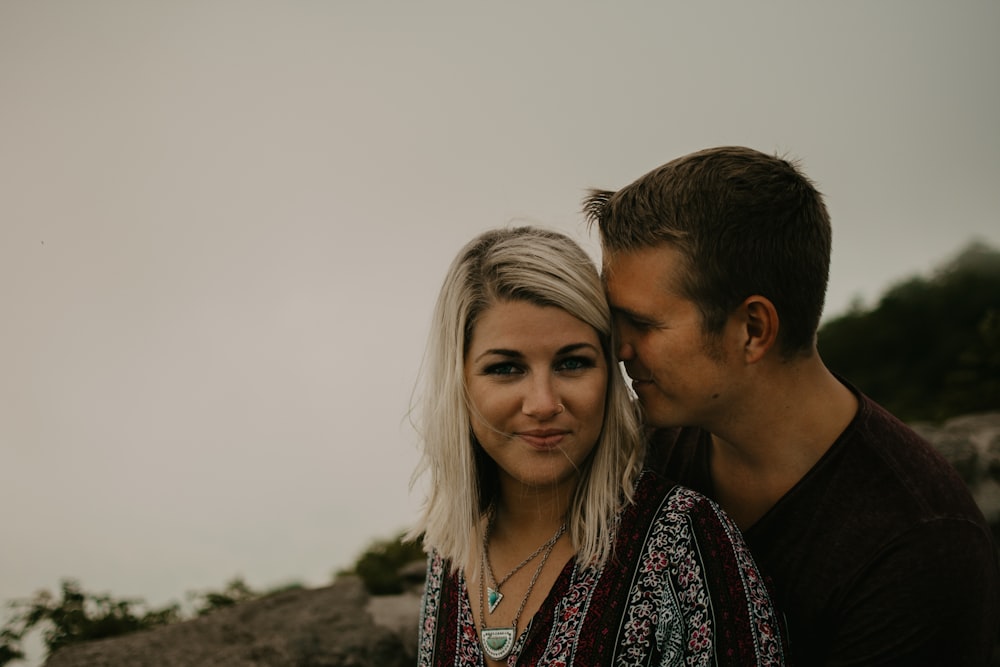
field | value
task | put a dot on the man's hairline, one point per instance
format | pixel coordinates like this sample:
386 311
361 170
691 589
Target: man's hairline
649 318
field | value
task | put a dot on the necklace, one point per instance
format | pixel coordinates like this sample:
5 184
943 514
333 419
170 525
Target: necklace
493 595
498 642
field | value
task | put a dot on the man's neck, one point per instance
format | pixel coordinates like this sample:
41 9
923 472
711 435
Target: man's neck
758 457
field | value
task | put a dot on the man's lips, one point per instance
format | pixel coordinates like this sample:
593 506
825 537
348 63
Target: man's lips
543 438
638 374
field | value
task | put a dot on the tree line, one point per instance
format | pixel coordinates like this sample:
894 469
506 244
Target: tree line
74 615
930 348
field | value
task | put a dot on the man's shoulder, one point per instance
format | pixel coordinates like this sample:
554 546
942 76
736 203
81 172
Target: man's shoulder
879 451
879 484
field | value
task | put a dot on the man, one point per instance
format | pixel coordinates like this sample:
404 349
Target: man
716 267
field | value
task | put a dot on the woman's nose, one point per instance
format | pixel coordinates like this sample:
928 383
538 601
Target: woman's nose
541 401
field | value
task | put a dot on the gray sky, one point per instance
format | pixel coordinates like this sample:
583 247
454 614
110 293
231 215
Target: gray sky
223 225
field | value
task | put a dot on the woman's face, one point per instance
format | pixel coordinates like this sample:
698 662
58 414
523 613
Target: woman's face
537 380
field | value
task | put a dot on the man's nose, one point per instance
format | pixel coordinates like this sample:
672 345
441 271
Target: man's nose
625 351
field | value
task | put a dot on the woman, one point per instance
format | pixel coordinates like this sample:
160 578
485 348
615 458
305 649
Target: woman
548 543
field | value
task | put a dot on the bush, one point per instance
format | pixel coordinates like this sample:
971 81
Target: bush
378 567
236 591
77 617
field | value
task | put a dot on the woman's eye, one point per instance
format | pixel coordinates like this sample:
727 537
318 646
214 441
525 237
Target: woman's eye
575 364
501 369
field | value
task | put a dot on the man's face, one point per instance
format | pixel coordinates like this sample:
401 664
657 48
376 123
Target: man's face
681 375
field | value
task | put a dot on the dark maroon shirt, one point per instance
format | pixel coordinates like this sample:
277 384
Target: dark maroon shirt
879 555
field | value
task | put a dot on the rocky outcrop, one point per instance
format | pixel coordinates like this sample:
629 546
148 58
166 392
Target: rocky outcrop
972 444
335 626
342 626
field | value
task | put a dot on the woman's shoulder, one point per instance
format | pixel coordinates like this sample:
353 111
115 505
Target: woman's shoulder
438 567
718 566
660 499
655 488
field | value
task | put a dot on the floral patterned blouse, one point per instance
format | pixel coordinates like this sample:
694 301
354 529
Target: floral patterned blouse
680 589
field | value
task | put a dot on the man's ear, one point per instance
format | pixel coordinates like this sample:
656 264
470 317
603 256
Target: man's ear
761 327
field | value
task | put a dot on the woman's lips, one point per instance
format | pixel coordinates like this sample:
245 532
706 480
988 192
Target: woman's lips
543 439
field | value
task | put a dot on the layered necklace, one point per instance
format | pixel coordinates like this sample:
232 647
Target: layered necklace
498 641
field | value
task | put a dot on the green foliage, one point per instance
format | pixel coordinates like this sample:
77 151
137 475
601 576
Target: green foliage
10 648
79 616
236 591
930 349
76 617
379 565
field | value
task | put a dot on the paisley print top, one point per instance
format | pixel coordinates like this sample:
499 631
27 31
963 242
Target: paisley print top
680 589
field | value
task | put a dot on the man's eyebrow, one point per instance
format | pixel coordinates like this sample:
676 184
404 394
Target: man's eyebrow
632 315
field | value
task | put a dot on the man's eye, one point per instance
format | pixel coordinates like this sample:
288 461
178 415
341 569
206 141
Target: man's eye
639 325
631 323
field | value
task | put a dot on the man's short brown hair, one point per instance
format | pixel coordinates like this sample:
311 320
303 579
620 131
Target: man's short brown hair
746 223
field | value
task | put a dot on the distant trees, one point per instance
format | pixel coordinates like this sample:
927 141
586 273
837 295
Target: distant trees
930 348
76 616
379 565
236 591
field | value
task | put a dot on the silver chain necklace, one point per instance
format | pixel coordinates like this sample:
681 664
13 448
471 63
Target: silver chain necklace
498 642
493 594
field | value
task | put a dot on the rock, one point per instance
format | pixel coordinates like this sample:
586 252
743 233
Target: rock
971 443
324 627
401 614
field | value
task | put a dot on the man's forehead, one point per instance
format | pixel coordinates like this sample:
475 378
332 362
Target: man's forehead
624 284
643 262
632 277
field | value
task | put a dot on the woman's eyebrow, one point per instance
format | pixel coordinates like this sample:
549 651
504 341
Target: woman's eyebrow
500 352
572 347
514 354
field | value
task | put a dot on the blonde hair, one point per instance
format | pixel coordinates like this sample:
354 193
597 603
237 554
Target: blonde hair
544 268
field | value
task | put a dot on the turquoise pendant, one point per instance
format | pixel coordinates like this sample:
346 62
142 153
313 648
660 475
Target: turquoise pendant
497 642
493 598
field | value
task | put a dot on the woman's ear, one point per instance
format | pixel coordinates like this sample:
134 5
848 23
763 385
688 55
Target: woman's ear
761 322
